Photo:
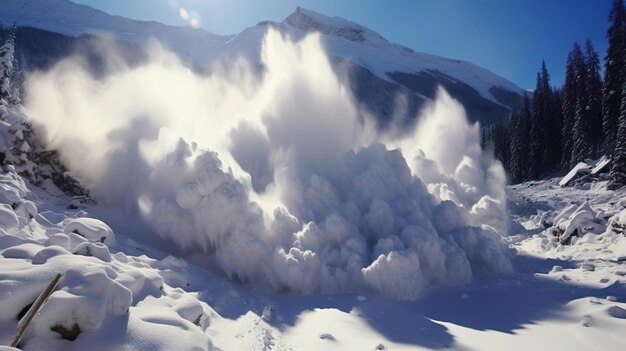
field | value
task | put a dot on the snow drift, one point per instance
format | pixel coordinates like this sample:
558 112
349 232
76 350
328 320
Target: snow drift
279 178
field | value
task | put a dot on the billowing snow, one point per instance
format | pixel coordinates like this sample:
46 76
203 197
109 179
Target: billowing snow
279 180
236 213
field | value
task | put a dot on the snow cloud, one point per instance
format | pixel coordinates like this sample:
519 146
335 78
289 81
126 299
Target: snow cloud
278 178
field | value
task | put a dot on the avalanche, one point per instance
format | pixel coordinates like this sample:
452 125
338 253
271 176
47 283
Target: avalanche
281 180
243 210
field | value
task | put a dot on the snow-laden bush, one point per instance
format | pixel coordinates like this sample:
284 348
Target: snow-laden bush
92 229
576 221
617 223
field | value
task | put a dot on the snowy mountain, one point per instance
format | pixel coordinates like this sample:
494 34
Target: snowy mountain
378 71
185 211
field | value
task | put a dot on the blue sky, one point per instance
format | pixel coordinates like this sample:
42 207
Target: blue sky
508 37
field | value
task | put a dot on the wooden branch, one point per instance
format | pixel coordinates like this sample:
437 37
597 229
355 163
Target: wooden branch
22 325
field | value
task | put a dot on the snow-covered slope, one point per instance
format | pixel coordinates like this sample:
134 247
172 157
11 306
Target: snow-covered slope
121 295
65 17
377 69
369 49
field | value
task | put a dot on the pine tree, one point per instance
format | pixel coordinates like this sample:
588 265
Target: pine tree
594 97
6 67
524 133
568 111
535 154
516 164
618 169
613 77
500 143
581 146
545 130
555 142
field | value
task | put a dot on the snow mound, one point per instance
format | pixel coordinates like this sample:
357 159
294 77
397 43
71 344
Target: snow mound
94 296
91 229
100 294
576 222
618 223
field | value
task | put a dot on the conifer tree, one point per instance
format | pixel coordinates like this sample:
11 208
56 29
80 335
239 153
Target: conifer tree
581 145
545 130
516 163
568 111
618 168
524 132
613 77
594 97
581 148
535 154
6 67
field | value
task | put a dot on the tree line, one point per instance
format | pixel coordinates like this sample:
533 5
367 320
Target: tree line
558 127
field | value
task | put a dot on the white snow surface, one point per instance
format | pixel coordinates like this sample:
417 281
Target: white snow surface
133 297
601 165
581 167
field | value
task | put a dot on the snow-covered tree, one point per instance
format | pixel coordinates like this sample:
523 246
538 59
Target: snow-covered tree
581 136
594 97
581 147
6 67
499 140
613 77
545 130
518 143
618 170
568 111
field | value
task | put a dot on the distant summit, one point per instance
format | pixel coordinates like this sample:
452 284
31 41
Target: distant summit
377 71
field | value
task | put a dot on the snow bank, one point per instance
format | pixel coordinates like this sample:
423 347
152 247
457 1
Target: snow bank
92 298
280 178
100 294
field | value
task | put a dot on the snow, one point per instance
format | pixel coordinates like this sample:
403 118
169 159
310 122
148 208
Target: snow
135 297
91 229
601 165
577 222
283 222
580 168
283 186
99 292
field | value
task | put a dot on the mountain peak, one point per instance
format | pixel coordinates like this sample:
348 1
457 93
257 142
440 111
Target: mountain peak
308 20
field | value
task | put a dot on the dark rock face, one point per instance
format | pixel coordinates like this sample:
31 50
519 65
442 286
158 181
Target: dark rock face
478 108
400 99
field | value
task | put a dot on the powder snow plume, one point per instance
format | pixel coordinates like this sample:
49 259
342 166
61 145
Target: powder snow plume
276 176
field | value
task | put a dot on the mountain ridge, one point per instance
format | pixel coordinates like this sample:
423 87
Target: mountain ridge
486 96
